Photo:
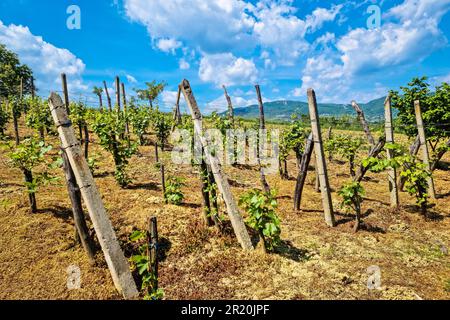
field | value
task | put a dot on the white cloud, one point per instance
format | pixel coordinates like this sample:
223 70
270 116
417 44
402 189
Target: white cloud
46 60
319 16
184 65
131 79
325 76
209 24
411 35
218 26
226 69
168 45
168 99
412 39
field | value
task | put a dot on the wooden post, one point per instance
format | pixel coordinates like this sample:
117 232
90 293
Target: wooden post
204 177
78 216
262 121
306 159
230 106
177 105
392 172
86 140
153 250
320 160
317 180
65 91
222 182
15 114
117 263
156 152
125 109
33 89
118 93
423 144
365 125
262 127
163 181
176 111
31 195
107 96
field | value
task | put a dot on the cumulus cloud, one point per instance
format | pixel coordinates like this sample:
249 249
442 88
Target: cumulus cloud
410 34
226 69
168 45
131 79
412 39
218 26
319 16
46 60
184 65
212 25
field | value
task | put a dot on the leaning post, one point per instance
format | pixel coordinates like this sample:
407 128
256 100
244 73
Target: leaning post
320 160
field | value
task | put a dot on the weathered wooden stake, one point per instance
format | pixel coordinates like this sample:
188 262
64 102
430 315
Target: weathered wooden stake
81 227
392 172
156 152
125 109
177 111
204 177
320 160
163 181
66 92
33 89
262 127
107 96
365 125
306 159
423 144
317 180
222 182
230 106
117 263
31 195
118 93
86 140
15 120
153 250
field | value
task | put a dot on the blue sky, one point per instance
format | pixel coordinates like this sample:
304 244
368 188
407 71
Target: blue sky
286 46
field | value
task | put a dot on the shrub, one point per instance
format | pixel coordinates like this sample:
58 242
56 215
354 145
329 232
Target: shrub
173 194
262 216
352 194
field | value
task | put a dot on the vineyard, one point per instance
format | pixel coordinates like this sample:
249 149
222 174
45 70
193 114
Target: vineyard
97 190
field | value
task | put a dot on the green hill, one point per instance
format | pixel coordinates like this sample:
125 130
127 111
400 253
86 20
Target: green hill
282 110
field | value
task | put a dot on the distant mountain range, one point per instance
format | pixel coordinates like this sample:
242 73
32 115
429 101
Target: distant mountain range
282 110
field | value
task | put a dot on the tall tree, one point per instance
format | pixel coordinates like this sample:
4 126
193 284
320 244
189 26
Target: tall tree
435 107
11 73
151 93
98 92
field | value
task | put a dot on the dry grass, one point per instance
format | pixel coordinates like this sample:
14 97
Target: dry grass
314 262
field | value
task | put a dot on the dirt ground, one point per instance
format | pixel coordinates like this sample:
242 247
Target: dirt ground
314 262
